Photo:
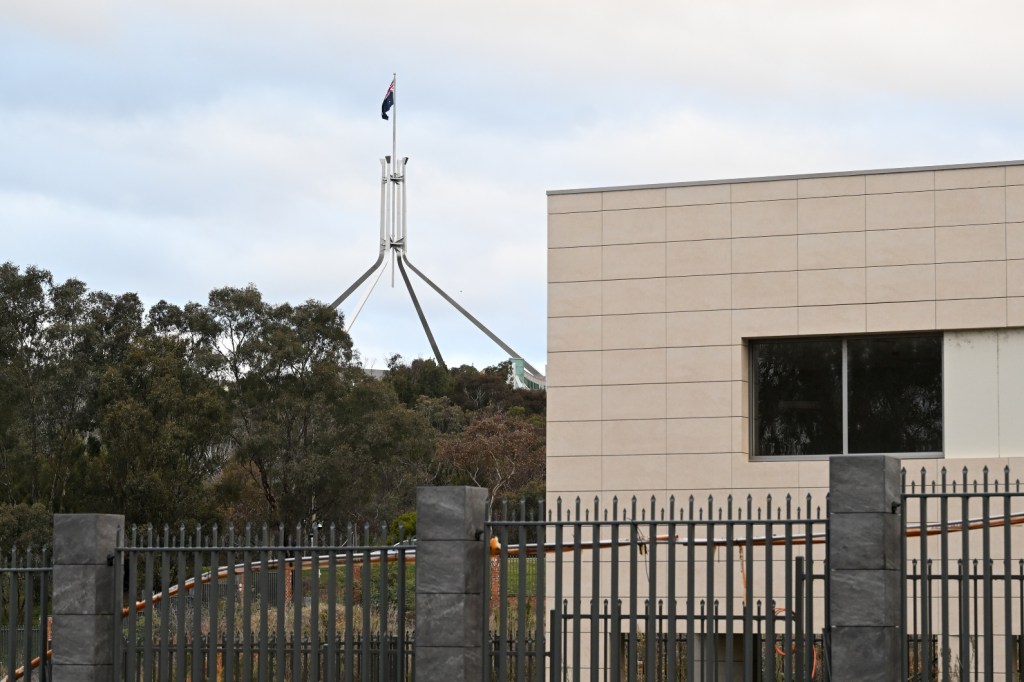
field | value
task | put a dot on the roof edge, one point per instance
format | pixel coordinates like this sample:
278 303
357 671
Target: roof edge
799 176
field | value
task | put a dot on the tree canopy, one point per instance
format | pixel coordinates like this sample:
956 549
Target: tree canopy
233 410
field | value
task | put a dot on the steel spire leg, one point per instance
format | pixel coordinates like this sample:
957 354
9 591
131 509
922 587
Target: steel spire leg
419 311
504 346
355 285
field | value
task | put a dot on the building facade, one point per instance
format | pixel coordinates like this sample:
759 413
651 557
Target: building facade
728 337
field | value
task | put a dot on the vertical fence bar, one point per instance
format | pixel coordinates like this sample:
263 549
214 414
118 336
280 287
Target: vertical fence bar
595 592
798 609
179 602
281 600
263 661
945 654
808 643
400 635
577 598
748 599
557 627
521 626
730 528
787 634
964 593
541 593
230 595
924 642
197 606
615 643
1020 612
27 622
385 605
131 556
988 631
149 609
502 643
914 657
769 593
1008 644
163 659
44 611
12 611
691 636
651 627
632 657
249 583
297 604
670 642
350 576
214 629
709 656
366 583
331 664
908 587
314 603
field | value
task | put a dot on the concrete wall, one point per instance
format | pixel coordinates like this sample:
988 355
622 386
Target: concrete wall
984 393
653 293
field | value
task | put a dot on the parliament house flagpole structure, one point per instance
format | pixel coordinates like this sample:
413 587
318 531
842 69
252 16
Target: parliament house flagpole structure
394 245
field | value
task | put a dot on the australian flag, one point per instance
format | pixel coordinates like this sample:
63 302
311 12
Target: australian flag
389 101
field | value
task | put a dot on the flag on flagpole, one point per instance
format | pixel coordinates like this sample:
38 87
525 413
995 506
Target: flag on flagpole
389 101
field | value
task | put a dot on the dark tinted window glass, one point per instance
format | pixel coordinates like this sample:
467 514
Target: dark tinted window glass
798 401
895 394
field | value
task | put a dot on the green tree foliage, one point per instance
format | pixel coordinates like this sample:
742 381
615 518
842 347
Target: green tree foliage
419 378
25 526
56 340
162 420
232 410
491 389
286 368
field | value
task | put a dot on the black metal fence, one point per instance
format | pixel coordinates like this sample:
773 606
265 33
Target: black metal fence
613 586
698 592
370 658
292 607
25 598
965 576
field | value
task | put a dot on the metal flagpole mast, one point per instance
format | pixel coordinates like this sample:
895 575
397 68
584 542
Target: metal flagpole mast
394 165
394 122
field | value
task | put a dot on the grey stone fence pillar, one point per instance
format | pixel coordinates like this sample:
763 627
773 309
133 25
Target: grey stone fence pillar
83 596
450 591
865 568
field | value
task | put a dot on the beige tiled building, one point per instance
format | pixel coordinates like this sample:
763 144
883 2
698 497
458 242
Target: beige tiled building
659 296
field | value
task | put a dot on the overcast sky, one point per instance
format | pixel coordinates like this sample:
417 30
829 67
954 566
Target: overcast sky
169 148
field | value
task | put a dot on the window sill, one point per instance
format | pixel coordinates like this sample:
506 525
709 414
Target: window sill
818 458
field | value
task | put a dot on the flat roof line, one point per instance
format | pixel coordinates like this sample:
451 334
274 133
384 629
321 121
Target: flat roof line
802 176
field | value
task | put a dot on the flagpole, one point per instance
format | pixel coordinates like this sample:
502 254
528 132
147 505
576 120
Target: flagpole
394 170
394 125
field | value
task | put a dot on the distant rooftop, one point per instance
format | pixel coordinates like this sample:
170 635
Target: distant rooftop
733 181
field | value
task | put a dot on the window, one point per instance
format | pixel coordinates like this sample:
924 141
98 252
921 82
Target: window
856 395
